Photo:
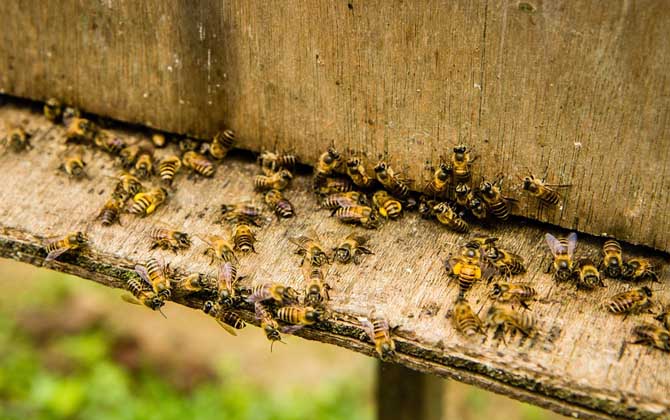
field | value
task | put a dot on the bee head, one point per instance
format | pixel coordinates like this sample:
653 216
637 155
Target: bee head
386 350
563 265
81 238
155 303
332 154
485 187
381 167
353 162
208 306
342 254
497 290
271 333
182 238
528 184
462 189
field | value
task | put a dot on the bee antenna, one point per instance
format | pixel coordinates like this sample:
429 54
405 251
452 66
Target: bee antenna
161 311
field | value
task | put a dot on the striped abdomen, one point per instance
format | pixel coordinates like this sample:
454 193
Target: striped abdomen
232 319
280 205
243 238
465 320
198 163
168 168
548 196
499 207
392 208
109 216
135 287
334 185
225 139
160 282
626 303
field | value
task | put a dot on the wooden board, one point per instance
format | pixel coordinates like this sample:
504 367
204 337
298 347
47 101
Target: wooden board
573 88
580 373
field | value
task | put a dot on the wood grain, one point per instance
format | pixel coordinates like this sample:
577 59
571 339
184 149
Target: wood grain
579 373
572 88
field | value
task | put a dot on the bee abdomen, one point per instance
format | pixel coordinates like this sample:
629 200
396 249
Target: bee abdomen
225 139
290 314
109 216
393 209
233 319
500 209
619 306
140 206
549 197
168 169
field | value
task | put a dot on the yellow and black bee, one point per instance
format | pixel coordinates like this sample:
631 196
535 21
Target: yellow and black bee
316 291
439 185
664 318
198 163
222 143
387 205
448 217
108 143
129 154
220 248
311 250
154 274
145 203
358 174
462 193
74 166
508 263
269 324
245 211
279 204
352 248
344 199
81 130
243 238
168 168
653 336
272 162
194 283
638 269
465 320
300 316
632 301
612 262
144 166
587 274
73 241
513 292
328 163
277 181
361 215
69 113
335 185
378 330
543 192
227 284
394 182
563 250
461 162
491 193
169 239
505 319
140 295
230 321
477 206
128 186
110 212
17 140
276 292
53 110
426 207
468 268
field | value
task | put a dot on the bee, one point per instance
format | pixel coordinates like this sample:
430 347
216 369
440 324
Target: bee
477 206
462 194
17 140
273 162
300 316
507 262
227 283
461 162
508 292
128 155
277 181
81 130
198 163
279 204
352 247
335 185
652 335
630 302
378 330
439 185
638 269
243 238
448 217
587 274
74 166
387 206
220 248
504 319
343 199
273 291
395 183
139 295
465 320
53 110
194 283
358 174
168 168
158 139
664 318
70 113
269 324
499 205
544 192
187 145
154 274
316 291
328 163
242 212
169 239
426 207
73 241
230 321
612 259
311 250
110 144
362 215
127 186
468 268
144 166
562 249
110 212
145 203
222 143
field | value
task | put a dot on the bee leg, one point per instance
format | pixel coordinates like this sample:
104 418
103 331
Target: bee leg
524 305
548 270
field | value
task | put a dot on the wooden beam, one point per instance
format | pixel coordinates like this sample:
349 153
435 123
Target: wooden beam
405 394
578 373
573 88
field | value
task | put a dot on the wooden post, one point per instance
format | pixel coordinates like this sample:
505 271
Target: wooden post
405 394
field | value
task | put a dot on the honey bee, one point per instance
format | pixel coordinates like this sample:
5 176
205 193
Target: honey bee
272 162
108 143
230 321
198 163
387 206
279 204
328 163
128 155
269 324
145 203
128 186
73 241
154 274
358 174
222 143
562 249
362 215
277 181
168 168
144 166
638 269
463 195
227 284
513 292
316 291
194 283
352 248
110 212
448 217
335 185
169 239
439 185
311 250
395 183
426 208
243 238
507 262
69 113
53 110
300 316
378 330
652 335
468 268
612 259
74 166
279 293
587 274
543 192
17 140
81 130
242 212
139 295
343 199
465 320
158 139
461 161
630 302
220 248
664 318
499 205
477 206
505 319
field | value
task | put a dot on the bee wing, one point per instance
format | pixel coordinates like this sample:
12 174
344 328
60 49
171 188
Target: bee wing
572 243
367 326
144 274
56 253
258 310
554 244
127 297
290 329
298 240
226 327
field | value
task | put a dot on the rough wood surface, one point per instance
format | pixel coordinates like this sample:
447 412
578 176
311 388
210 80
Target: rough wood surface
579 374
572 87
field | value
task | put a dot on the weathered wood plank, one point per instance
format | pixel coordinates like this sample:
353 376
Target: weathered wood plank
581 372
576 88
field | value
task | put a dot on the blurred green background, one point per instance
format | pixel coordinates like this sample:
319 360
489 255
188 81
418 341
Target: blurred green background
71 349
